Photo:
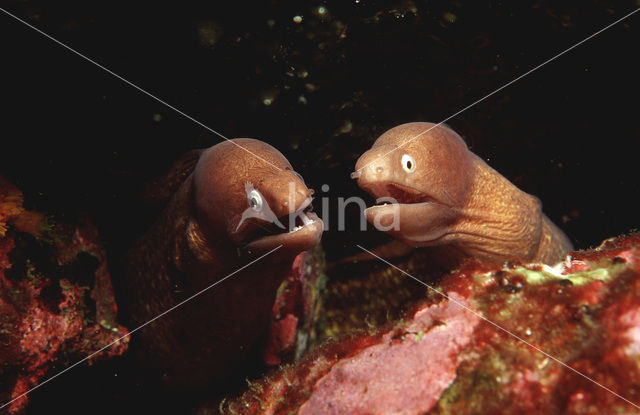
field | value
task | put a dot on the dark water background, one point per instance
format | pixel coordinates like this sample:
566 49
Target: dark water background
77 140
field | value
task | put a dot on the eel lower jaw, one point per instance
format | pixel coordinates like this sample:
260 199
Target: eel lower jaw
303 236
416 224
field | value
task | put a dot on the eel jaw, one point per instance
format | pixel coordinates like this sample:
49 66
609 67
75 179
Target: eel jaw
303 234
409 215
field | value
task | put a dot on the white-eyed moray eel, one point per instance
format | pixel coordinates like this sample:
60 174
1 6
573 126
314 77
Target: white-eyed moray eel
229 208
443 195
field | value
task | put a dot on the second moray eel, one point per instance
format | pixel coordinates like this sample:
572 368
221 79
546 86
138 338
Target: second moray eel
442 194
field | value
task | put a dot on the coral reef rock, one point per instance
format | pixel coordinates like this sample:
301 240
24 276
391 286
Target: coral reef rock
297 316
512 339
56 300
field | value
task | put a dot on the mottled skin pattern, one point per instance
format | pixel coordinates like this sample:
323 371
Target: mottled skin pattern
453 199
196 242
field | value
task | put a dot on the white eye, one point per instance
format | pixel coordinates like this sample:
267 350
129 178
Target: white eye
254 198
408 163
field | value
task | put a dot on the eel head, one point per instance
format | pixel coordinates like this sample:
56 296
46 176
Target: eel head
419 174
247 194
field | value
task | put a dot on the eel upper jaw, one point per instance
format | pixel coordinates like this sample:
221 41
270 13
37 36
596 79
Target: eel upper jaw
412 216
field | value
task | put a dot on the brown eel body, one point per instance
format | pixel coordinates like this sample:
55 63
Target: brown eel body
442 195
222 216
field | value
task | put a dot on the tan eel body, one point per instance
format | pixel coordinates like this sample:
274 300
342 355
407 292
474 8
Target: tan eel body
444 195
222 216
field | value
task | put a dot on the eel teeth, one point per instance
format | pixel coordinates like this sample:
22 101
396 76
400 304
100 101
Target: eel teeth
306 220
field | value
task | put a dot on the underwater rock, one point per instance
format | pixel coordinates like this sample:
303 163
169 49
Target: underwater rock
297 318
480 349
56 300
366 293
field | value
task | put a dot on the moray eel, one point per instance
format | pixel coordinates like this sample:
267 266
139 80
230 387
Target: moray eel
435 192
229 208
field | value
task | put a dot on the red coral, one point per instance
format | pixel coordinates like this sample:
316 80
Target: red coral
37 331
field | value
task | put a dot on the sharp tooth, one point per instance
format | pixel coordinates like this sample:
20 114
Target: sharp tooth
306 220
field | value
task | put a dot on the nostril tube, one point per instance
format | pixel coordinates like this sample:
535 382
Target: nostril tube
355 174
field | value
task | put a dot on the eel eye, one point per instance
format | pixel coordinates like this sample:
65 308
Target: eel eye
255 200
408 163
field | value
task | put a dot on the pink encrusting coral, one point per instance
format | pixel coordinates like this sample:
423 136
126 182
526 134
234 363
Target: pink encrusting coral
389 377
505 340
46 316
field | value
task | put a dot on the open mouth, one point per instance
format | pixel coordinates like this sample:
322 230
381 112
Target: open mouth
292 223
392 193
